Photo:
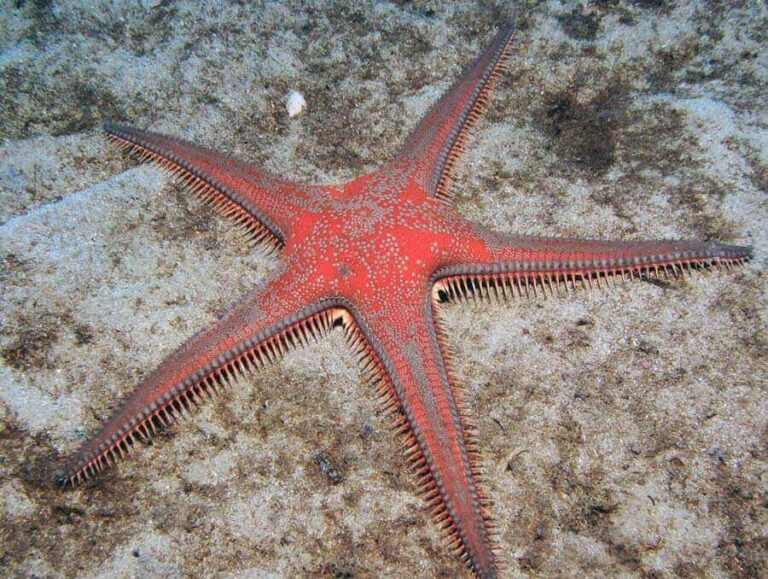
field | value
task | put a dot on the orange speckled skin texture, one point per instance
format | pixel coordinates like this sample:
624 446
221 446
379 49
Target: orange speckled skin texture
367 256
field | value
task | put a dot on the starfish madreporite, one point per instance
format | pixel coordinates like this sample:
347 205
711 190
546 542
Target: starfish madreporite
376 256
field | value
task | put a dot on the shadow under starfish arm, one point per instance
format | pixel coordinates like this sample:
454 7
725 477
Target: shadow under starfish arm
254 333
494 263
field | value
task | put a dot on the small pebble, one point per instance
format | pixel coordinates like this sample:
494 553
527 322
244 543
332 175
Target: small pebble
295 103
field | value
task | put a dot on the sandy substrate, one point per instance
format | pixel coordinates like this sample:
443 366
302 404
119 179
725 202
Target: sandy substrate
624 431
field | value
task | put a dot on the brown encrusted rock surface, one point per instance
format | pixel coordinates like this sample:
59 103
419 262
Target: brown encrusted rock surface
624 431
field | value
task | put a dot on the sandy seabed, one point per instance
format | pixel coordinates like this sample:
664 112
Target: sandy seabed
624 431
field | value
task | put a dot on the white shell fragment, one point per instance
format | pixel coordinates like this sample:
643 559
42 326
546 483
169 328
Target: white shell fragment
295 103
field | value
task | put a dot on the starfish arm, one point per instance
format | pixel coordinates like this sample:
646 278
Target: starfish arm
255 332
405 354
438 140
263 205
492 263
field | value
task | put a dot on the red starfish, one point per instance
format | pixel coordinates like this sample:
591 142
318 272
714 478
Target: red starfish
375 256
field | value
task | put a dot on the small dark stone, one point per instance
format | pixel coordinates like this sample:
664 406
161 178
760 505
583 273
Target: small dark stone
83 335
327 467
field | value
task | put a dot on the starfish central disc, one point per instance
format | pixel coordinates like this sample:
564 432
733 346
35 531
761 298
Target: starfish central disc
375 245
